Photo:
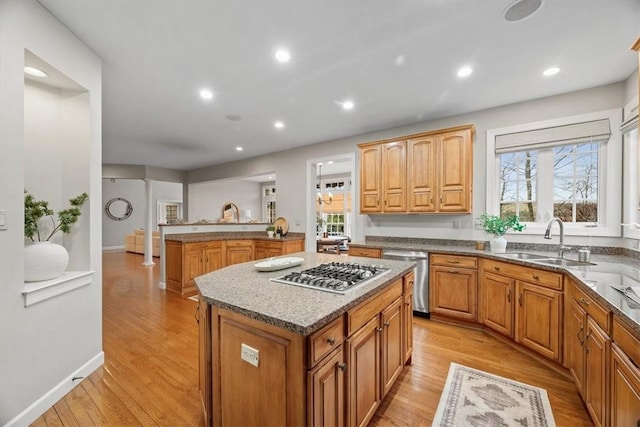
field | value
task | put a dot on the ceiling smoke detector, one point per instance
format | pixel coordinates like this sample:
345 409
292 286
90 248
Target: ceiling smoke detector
521 9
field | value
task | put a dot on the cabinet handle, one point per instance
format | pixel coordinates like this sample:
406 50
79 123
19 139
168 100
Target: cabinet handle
331 340
520 299
578 335
536 277
378 329
584 301
509 295
496 268
410 282
407 303
197 314
342 367
387 324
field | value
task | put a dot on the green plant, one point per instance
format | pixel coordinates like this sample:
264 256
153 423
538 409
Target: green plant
319 219
496 225
271 228
35 210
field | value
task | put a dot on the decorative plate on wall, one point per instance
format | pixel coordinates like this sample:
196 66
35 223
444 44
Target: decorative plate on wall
118 209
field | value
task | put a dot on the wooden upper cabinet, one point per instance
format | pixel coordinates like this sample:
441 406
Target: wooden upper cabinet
431 172
421 178
371 179
394 177
455 173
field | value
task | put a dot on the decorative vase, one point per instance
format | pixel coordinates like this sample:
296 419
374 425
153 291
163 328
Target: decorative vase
270 234
498 245
44 261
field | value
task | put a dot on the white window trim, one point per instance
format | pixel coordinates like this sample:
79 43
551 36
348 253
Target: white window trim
609 183
632 169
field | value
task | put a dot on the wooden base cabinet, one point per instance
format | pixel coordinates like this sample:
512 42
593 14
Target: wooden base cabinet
497 303
364 373
625 390
326 392
596 346
203 318
453 286
239 251
407 317
268 249
187 261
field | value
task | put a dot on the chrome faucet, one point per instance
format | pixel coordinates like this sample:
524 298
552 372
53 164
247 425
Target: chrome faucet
547 235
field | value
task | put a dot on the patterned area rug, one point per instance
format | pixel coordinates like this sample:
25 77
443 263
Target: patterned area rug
478 399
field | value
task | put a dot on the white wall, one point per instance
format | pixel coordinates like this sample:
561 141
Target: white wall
113 231
207 198
43 345
290 166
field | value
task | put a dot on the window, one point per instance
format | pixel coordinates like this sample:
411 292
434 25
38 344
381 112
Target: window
335 224
169 211
566 168
269 203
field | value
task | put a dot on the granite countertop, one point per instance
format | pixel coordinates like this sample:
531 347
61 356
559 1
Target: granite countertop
242 289
228 235
617 270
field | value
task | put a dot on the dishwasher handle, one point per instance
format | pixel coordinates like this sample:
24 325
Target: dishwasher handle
403 255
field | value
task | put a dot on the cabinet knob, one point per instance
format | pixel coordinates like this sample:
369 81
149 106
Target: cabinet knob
342 366
387 323
584 301
496 268
407 303
536 277
378 329
331 340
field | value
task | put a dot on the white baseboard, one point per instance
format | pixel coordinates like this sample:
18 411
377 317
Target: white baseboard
112 248
45 402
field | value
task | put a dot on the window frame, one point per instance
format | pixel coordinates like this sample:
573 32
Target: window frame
630 130
610 155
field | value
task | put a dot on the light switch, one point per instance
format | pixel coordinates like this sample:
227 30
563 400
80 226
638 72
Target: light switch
250 355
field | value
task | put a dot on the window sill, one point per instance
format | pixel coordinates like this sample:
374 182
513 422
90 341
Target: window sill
35 292
537 229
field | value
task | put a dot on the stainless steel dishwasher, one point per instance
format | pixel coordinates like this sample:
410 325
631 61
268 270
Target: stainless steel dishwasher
421 271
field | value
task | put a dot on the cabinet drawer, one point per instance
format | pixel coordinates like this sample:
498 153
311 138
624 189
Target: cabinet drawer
601 315
454 261
366 252
526 274
364 312
626 341
268 245
235 243
326 340
408 282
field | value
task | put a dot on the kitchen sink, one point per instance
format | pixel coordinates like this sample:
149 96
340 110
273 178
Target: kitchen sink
524 255
563 262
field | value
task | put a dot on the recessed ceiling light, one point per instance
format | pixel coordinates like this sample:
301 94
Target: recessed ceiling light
206 94
348 105
239 148
32 71
521 9
270 177
465 72
283 55
551 71
278 125
330 162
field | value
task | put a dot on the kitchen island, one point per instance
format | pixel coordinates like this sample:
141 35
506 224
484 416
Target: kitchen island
277 354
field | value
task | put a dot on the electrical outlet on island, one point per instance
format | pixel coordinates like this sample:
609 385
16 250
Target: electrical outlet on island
250 355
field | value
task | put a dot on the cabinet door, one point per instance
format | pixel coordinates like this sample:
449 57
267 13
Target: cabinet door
625 390
597 346
394 176
452 292
364 373
326 388
174 269
204 358
370 179
421 174
239 251
408 326
455 171
261 252
194 267
497 303
392 356
537 319
576 333
213 258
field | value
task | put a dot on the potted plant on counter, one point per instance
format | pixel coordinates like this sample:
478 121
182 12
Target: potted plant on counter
270 230
43 259
498 226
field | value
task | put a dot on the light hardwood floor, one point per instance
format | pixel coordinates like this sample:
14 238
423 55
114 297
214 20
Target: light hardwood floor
150 375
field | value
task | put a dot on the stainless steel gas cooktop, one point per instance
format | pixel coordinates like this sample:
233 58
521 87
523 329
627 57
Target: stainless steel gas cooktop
336 277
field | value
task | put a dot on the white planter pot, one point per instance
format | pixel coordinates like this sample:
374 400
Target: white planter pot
270 234
44 261
498 245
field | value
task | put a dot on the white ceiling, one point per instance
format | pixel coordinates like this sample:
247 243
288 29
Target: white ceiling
396 59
